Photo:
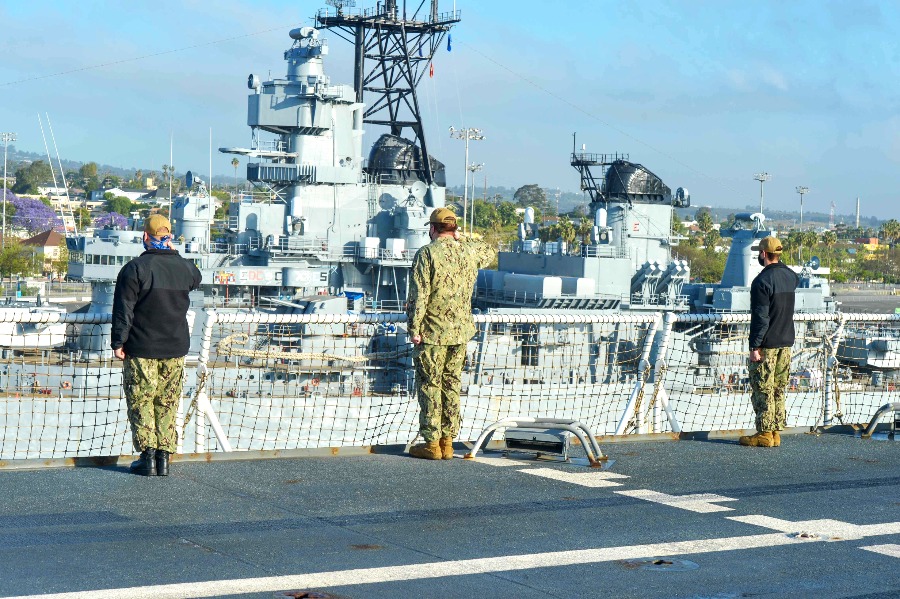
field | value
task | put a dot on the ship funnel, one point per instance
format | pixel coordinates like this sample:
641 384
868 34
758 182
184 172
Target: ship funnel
600 218
529 216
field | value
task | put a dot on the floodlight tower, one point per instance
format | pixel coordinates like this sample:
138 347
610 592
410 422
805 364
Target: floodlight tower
801 190
762 178
466 134
400 47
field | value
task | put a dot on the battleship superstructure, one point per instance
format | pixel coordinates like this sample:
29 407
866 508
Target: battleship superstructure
322 219
627 263
326 230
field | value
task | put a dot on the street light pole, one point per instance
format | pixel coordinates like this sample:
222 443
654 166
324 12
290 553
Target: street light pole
466 134
473 168
6 137
762 178
801 190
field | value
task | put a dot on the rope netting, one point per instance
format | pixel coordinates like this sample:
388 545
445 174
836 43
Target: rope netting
274 382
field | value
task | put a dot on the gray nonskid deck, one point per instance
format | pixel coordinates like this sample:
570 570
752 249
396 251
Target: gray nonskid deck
387 518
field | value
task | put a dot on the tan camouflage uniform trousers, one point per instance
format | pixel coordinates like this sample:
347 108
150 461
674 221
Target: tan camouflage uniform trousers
439 308
152 390
438 372
768 381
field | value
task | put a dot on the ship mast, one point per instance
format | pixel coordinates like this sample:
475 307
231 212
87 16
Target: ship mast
399 46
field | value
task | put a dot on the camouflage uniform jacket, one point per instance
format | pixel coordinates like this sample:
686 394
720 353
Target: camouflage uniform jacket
439 307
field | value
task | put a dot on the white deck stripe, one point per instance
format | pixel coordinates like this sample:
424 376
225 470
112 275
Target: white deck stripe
826 530
499 462
585 478
889 550
326 580
701 502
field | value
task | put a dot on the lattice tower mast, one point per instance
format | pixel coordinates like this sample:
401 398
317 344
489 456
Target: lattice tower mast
399 43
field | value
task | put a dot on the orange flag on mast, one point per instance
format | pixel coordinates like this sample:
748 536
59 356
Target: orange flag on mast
431 70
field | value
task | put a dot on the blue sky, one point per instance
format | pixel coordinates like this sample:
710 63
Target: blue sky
705 94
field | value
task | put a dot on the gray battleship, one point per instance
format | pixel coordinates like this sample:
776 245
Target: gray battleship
327 231
364 524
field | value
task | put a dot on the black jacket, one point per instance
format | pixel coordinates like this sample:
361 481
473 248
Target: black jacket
151 303
772 307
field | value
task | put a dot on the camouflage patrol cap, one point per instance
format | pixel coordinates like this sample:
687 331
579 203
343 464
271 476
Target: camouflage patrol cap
770 245
442 216
155 224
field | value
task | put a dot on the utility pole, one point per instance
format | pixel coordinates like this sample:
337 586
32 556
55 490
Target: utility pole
762 178
6 137
466 134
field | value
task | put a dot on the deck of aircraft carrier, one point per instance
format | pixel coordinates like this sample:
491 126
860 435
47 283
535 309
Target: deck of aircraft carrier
703 518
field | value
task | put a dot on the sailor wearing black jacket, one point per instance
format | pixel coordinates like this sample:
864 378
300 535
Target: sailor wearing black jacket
150 333
771 338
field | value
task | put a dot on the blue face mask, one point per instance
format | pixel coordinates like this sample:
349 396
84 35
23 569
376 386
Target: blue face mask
161 244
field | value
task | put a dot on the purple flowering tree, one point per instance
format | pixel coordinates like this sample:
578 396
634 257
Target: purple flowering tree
34 216
111 219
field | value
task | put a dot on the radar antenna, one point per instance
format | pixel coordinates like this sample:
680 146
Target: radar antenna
400 48
591 182
340 4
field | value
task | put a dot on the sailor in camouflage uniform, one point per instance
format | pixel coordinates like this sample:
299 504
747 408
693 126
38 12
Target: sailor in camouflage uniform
439 311
150 333
771 338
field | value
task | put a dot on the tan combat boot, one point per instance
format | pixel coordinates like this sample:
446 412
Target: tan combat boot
757 440
426 451
447 448
776 439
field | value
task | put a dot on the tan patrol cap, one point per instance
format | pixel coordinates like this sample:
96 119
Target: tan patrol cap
155 224
442 216
770 245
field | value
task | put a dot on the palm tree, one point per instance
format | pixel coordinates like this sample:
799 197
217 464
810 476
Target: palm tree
566 229
794 241
235 162
584 229
809 239
891 231
829 239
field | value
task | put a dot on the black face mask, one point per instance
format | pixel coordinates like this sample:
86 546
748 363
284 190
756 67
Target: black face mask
760 260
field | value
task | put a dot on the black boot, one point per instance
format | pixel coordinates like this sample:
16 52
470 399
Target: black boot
146 465
162 463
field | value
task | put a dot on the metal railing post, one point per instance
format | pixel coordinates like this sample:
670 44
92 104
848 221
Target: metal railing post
637 390
831 363
660 395
202 373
